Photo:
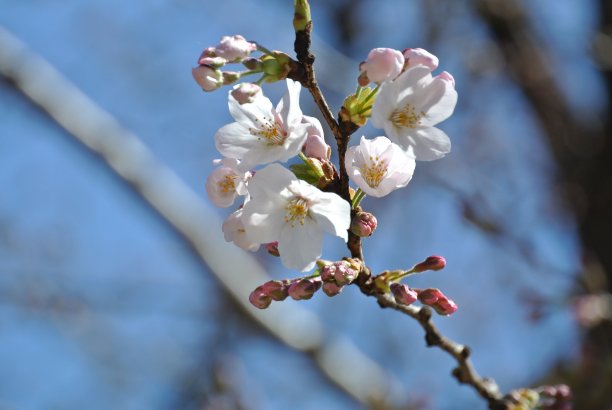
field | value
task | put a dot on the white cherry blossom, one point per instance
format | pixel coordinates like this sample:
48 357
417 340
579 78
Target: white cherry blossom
285 209
225 183
379 166
233 231
409 107
262 133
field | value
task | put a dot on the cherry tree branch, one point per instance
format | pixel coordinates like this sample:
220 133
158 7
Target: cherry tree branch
465 373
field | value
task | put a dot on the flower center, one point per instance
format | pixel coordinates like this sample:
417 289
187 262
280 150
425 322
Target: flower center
227 184
406 117
297 211
270 131
374 171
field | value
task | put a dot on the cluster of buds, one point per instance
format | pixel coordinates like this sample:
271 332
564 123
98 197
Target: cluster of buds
236 49
277 290
386 64
337 275
543 398
431 297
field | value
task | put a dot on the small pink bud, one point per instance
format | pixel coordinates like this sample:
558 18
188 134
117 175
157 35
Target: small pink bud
429 296
445 306
208 78
246 92
208 52
431 263
363 224
259 299
315 145
403 294
382 64
304 289
363 79
344 274
328 272
446 76
331 289
419 56
272 248
234 48
276 289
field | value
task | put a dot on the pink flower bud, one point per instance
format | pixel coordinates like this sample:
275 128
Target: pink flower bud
445 306
363 224
331 289
208 52
344 274
431 263
403 294
328 272
272 249
446 76
246 92
419 56
315 145
429 296
234 48
276 289
259 298
208 78
382 64
304 289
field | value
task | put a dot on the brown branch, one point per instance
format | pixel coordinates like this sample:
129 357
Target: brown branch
464 372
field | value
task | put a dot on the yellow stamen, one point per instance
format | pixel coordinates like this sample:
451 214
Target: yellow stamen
374 171
406 117
227 184
297 210
271 131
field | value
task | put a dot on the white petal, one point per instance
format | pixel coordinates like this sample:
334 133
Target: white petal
412 81
262 227
289 106
300 246
332 213
270 181
430 143
437 101
248 113
234 140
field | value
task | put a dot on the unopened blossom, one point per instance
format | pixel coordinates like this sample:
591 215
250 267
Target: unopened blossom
246 93
382 64
403 294
304 289
225 183
233 231
276 289
409 107
379 166
315 145
294 213
419 56
234 48
331 289
431 263
437 300
207 77
259 298
363 224
340 273
262 133
272 249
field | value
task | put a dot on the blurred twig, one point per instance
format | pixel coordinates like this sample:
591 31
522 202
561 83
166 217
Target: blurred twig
161 189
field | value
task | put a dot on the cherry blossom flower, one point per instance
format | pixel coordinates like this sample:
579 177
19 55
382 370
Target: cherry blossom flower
379 166
262 133
382 64
225 183
409 107
419 56
233 231
294 213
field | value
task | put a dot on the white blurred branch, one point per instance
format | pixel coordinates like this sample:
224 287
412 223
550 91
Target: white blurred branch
161 188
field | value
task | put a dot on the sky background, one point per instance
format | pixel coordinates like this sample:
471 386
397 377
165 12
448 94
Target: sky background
102 305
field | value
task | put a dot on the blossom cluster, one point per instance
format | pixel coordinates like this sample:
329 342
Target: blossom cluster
288 209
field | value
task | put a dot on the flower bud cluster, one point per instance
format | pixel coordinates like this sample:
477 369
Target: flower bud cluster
276 290
337 275
236 49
